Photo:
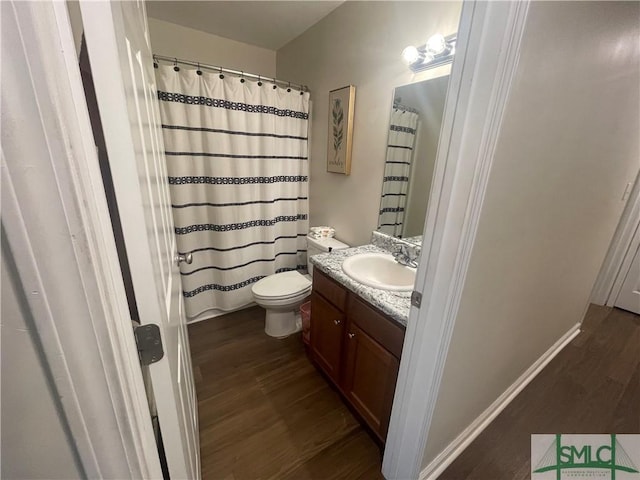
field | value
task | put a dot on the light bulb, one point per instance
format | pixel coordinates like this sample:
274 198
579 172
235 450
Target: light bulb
410 55
436 44
428 57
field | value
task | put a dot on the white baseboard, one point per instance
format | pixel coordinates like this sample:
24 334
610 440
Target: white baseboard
469 434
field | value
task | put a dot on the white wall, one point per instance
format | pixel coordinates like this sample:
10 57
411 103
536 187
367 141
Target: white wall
568 146
34 444
177 41
359 43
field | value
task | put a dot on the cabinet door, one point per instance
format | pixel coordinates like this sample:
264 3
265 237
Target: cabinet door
327 329
369 380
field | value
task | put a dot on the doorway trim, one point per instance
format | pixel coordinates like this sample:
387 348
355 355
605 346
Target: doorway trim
57 227
618 261
483 70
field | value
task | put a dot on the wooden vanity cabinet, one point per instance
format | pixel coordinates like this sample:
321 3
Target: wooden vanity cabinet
373 346
358 348
327 332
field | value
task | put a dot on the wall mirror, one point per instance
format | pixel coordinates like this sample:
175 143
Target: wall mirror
414 130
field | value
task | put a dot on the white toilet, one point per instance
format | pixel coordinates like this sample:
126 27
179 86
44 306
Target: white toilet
282 294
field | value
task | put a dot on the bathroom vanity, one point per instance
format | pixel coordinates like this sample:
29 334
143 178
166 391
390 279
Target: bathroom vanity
355 344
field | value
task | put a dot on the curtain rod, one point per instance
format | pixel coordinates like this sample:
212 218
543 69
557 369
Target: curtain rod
239 73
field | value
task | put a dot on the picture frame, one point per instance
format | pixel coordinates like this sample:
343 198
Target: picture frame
340 134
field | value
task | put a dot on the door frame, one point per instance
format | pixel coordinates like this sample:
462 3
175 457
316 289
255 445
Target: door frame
625 243
486 60
71 276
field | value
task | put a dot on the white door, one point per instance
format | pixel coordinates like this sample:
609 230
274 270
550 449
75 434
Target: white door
121 61
629 296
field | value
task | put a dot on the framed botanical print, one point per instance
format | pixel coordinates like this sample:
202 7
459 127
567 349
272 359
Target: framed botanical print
341 107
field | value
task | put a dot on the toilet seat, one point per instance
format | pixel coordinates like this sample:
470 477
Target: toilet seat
281 286
304 293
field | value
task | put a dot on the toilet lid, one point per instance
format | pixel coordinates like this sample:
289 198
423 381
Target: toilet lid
281 285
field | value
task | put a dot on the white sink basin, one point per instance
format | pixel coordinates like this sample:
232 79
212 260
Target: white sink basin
379 270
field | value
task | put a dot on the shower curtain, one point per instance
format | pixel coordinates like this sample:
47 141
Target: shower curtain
237 162
395 183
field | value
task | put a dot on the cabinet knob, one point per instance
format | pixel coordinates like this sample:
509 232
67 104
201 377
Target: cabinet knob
351 335
337 322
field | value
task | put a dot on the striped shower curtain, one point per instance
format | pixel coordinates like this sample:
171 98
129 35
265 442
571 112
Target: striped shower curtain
397 169
237 161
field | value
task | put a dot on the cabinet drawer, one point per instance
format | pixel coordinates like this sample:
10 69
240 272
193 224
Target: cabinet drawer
329 289
386 332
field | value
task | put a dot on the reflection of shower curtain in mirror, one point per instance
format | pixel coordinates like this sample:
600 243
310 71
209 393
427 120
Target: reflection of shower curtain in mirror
395 184
237 162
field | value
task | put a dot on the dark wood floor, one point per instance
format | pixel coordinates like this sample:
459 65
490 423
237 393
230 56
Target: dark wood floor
266 413
592 386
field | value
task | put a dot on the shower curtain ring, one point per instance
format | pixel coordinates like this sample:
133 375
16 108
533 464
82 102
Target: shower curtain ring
221 75
241 77
259 81
155 62
289 87
198 71
176 68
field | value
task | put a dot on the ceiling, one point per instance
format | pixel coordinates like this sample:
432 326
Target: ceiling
268 24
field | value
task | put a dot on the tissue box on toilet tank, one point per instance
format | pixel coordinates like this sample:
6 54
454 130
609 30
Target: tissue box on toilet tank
322 232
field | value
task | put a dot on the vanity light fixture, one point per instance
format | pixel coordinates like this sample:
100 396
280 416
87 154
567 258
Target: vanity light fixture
436 44
411 55
438 50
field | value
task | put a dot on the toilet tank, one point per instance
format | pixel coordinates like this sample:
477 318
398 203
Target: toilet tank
321 245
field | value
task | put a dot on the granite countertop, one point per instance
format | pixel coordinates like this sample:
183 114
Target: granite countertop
417 240
394 304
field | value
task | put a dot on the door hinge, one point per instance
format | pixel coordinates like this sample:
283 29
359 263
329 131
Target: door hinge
416 298
149 343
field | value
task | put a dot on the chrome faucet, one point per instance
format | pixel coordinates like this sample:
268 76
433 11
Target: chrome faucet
403 256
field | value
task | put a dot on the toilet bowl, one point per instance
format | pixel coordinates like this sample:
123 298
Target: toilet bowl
281 294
